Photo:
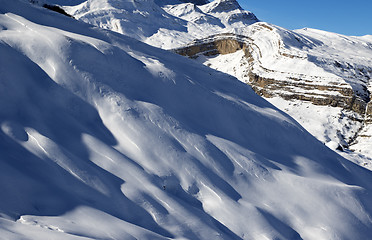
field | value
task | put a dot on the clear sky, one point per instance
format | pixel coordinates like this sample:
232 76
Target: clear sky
349 17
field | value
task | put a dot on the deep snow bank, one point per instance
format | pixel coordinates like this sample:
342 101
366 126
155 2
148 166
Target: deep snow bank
104 137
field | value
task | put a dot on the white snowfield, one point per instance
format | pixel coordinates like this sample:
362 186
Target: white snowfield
105 137
311 56
160 25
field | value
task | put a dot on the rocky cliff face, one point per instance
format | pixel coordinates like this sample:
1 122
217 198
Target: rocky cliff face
214 45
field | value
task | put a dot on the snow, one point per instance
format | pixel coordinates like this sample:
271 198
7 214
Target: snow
308 55
362 145
315 54
331 125
165 26
105 137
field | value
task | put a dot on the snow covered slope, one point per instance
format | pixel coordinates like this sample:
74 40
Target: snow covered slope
165 26
297 71
105 137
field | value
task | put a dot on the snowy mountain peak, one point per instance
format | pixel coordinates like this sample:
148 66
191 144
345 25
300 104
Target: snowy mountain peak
223 6
166 24
230 12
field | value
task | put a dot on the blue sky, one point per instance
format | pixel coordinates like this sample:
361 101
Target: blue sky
352 17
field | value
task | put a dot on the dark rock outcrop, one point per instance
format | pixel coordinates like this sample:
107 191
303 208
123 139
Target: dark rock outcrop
196 2
57 9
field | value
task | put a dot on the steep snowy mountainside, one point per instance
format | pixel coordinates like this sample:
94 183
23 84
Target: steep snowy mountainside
138 19
105 137
351 55
228 12
165 26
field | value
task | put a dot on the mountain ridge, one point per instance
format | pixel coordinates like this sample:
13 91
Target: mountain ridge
323 76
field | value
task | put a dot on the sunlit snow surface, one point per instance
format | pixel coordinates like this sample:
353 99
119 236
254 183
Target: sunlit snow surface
104 137
311 56
161 25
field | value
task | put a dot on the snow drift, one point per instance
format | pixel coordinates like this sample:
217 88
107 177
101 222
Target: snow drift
105 137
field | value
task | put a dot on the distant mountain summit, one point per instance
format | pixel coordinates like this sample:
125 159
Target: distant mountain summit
166 24
223 6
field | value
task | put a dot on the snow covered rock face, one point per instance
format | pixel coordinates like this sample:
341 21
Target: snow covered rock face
222 6
104 137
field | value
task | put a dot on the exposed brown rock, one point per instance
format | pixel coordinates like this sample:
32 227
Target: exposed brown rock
368 118
227 45
347 99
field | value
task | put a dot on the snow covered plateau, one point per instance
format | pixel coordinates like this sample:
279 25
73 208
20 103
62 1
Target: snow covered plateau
103 136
